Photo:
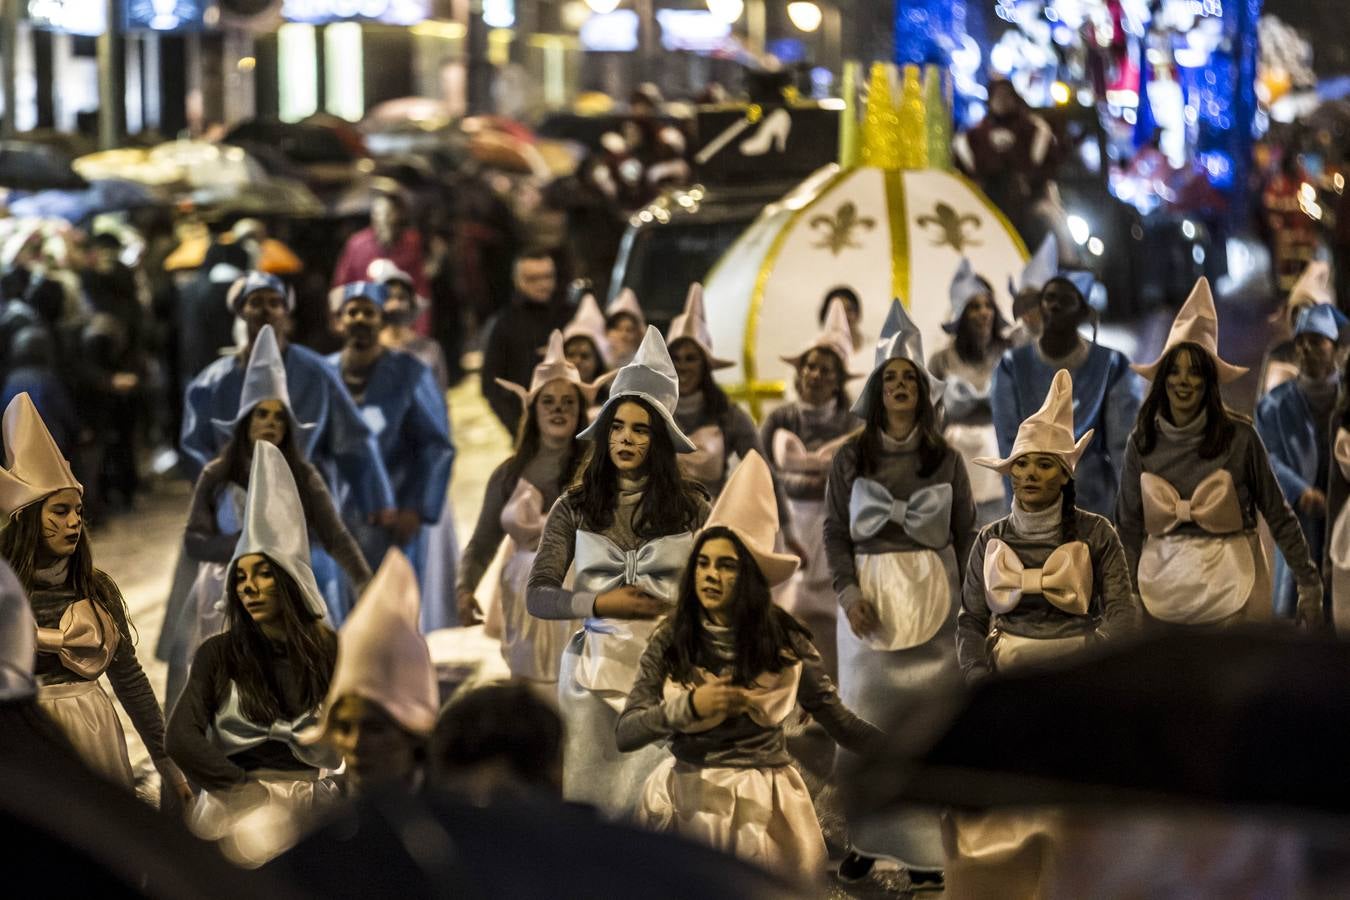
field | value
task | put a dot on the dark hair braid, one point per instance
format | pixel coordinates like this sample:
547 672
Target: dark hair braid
1068 513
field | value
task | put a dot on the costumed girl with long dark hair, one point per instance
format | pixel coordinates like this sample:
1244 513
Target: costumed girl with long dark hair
519 494
215 516
624 326
1195 478
254 687
1044 584
584 343
802 437
966 366
627 529
719 679
898 526
84 630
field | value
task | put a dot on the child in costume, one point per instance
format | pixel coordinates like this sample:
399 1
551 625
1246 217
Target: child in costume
84 630
719 679
519 493
256 686
383 699
966 366
802 437
898 498
627 529
1195 478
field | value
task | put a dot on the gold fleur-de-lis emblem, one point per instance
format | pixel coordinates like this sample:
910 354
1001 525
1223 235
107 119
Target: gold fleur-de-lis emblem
951 227
840 227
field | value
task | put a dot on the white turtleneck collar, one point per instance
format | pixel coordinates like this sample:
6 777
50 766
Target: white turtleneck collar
1037 524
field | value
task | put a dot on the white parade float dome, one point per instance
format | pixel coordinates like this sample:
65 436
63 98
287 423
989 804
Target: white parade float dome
881 230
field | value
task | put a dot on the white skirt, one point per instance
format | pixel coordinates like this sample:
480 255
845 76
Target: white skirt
998 854
594 771
912 592
810 592
85 715
263 817
878 683
1188 579
764 816
532 647
972 442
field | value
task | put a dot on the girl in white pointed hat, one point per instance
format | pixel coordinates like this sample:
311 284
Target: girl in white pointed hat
255 687
84 630
1043 585
626 528
1195 478
519 494
802 437
624 326
718 681
584 341
722 431
383 699
402 306
966 365
899 523
215 515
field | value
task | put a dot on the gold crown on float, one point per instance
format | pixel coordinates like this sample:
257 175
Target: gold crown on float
911 131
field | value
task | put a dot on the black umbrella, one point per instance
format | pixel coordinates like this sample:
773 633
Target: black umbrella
302 143
37 167
1222 720
432 846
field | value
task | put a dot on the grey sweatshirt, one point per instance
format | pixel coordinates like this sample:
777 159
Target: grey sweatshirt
1033 536
545 597
739 742
898 472
1176 458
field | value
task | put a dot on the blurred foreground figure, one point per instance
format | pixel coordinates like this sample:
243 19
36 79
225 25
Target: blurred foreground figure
1122 776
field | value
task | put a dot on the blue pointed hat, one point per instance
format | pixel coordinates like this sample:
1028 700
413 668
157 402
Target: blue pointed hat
900 339
1040 268
264 379
965 287
1323 319
650 377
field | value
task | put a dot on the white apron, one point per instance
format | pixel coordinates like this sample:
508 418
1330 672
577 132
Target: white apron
85 715
256 821
532 647
972 442
809 594
912 593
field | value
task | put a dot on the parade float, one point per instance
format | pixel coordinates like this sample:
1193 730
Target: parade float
890 219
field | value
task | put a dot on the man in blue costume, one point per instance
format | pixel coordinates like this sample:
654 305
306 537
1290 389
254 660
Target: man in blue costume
1294 421
340 444
1106 394
401 403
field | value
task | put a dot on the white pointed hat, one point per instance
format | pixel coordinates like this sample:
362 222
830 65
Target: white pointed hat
1313 286
1196 323
382 656
553 368
835 336
748 507
900 339
264 379
692 325
34 467
589 322
1047 430
626 302
650 377
966 286
275 526
18 640
1042 266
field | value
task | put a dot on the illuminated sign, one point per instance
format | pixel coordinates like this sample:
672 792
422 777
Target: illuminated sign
85 17
694 30
615 32
163 15
389 12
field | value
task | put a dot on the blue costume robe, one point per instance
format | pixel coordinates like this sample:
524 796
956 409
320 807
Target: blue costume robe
340 444
404 408
1284 420
1106 397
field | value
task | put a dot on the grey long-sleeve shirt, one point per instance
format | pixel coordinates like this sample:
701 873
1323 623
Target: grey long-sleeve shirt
898 472
814 426
1175 457
544 471
1111 610
739 742
545 597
